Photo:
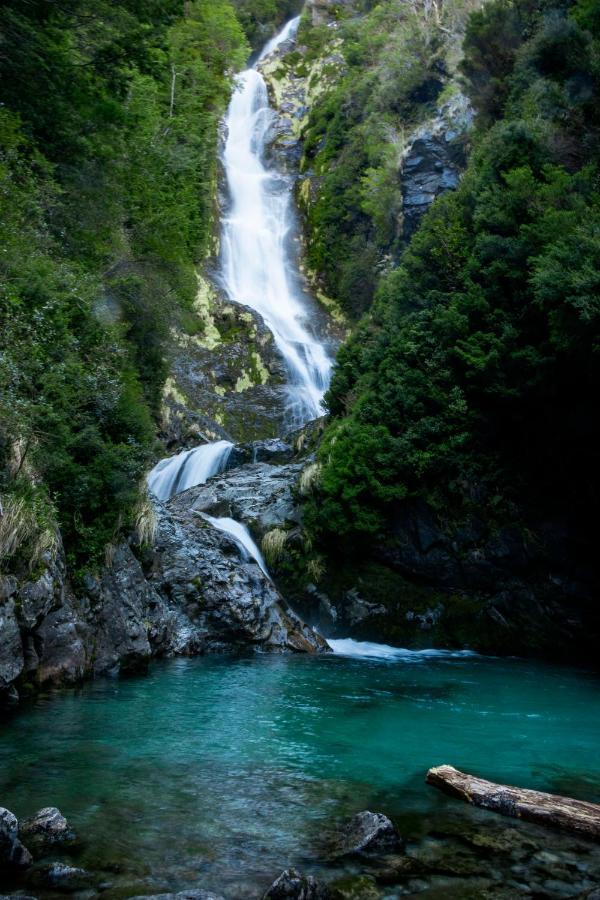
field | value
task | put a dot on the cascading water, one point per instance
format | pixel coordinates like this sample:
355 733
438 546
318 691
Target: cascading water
241 536
257 270
189 468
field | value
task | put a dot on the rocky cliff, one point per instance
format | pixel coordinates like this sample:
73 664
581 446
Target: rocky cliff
178 587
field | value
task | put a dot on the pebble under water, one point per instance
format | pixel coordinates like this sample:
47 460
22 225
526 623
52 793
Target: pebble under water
220 772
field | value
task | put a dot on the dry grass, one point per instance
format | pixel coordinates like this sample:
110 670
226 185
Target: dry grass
145 521
309 479
273 545
315 568
20 531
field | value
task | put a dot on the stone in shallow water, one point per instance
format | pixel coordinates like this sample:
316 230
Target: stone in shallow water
12 852
291 885
46 828
60 877
367 832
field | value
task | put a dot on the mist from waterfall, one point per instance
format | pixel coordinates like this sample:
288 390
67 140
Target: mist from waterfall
257 270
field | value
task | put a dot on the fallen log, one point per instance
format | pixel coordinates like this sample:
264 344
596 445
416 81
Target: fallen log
576 816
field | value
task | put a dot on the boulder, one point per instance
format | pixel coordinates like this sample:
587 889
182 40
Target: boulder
47 828
367 832
13 855
291 885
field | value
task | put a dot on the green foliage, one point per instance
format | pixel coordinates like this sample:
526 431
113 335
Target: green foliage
397 65
471 384
108 142
258 17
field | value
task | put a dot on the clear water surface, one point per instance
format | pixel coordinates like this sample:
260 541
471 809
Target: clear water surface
219 772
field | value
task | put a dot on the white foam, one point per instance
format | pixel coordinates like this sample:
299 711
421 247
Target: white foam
368 650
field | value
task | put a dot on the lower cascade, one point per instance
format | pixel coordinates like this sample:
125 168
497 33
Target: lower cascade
188 468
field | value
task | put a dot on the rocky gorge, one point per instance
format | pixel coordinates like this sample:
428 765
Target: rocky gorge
253 683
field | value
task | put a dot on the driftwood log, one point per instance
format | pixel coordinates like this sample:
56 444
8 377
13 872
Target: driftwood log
575 816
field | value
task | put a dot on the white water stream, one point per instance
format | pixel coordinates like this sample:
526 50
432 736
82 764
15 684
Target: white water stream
257 270
187 469
242 537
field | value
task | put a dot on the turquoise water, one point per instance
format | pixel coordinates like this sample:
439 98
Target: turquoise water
219 772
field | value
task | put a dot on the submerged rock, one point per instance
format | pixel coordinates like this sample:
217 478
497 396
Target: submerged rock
182 895
367 832
47 828
291 885
13 855
60 877
354 887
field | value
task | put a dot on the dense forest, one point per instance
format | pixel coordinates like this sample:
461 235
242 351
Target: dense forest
468 382
471 383
108 152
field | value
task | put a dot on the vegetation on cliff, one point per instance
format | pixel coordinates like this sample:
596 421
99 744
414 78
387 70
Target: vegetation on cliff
471 384
400 58
108 145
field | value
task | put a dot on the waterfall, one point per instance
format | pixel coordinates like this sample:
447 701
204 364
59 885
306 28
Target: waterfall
241 536
256 268
187 469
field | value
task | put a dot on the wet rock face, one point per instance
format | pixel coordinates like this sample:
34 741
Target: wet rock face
192 592
260 495
11 646
214 599
227 379
434 159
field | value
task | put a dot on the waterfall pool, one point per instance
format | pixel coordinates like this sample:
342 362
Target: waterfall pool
220 772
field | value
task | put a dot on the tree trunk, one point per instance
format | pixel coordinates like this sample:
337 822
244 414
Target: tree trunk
575 816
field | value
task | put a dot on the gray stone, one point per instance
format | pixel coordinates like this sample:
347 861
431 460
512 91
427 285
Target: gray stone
434 159
61 640
227 602
260 495
291 885
367 832
47 828
13 855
